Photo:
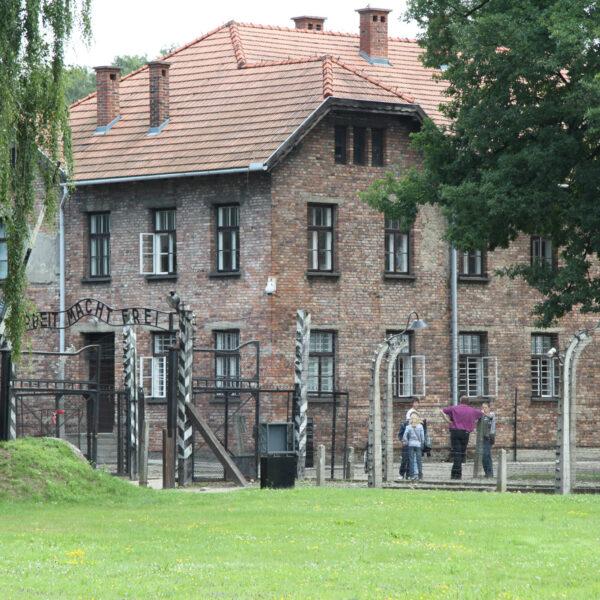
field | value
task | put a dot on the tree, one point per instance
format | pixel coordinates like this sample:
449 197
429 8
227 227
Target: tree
129 62
34 130
521 152
79 83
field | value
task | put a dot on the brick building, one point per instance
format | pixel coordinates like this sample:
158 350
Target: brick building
229 171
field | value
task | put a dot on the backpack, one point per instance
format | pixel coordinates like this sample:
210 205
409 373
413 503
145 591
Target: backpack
402 430
427 444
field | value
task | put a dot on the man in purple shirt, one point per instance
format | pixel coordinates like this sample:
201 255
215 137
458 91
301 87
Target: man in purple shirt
462 419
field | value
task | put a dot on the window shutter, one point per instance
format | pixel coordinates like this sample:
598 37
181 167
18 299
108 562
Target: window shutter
418 375
147 253
159 383
146 375
490 376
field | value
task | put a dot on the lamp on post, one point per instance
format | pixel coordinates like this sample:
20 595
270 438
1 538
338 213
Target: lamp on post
375 450
565 448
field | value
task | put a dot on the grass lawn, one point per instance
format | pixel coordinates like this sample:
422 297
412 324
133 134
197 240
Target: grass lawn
110 540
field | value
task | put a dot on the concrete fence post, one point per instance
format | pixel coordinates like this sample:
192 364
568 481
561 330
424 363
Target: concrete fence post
321 464
501 481
350 464
144 455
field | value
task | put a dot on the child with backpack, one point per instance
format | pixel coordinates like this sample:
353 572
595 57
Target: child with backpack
414 438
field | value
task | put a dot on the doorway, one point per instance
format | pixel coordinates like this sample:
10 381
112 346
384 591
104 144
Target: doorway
106 412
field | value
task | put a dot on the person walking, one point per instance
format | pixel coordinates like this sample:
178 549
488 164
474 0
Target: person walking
462 419
414 438
489 438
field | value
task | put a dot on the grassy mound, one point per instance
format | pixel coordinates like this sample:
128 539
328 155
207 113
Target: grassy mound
47 469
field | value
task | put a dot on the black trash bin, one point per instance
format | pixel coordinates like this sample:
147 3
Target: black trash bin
277 471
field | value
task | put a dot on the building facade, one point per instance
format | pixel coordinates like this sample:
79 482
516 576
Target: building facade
230 171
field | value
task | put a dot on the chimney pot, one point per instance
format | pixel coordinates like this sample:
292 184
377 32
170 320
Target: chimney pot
108 109
374 34
310 23
158 81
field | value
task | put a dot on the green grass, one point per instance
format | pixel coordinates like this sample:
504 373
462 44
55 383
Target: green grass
111 540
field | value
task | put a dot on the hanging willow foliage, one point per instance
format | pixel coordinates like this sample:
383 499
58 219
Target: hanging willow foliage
35 143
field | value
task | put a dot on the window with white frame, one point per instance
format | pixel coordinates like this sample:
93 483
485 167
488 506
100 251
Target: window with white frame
227 358
3 251
228 238
545 370
477 373
99 245
321 362
320 237
408 375
153 369
397 257
158 250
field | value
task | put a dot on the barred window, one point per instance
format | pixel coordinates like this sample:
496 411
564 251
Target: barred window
477 373
408 375
321 362
545 370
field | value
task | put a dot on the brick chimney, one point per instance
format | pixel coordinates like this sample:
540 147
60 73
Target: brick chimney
310 23
374 34
107 87
158 77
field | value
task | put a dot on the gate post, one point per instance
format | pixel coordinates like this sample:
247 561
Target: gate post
374 452
301 388
396 345
8 421
184 396
130 364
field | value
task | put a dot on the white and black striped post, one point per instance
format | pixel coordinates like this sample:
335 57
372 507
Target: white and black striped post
184 396
301 388
130 367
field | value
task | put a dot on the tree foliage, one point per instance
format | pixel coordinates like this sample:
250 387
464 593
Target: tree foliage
521 153
81 80
79 83
34 130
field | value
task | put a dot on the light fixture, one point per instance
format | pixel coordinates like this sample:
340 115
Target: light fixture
173 300
551 353
417 323
271 286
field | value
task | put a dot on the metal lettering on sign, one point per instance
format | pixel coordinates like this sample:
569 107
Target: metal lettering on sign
90 307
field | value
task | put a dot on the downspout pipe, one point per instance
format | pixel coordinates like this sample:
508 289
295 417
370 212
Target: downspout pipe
454 325
61 261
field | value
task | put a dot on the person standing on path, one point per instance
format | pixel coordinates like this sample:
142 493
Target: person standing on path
413 409
462 419
414 438
489 437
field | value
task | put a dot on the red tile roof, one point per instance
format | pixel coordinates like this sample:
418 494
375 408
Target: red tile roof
237 95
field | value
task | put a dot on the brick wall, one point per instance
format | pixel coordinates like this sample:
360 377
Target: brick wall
359 304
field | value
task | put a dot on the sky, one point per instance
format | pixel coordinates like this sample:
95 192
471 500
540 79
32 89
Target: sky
145 26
